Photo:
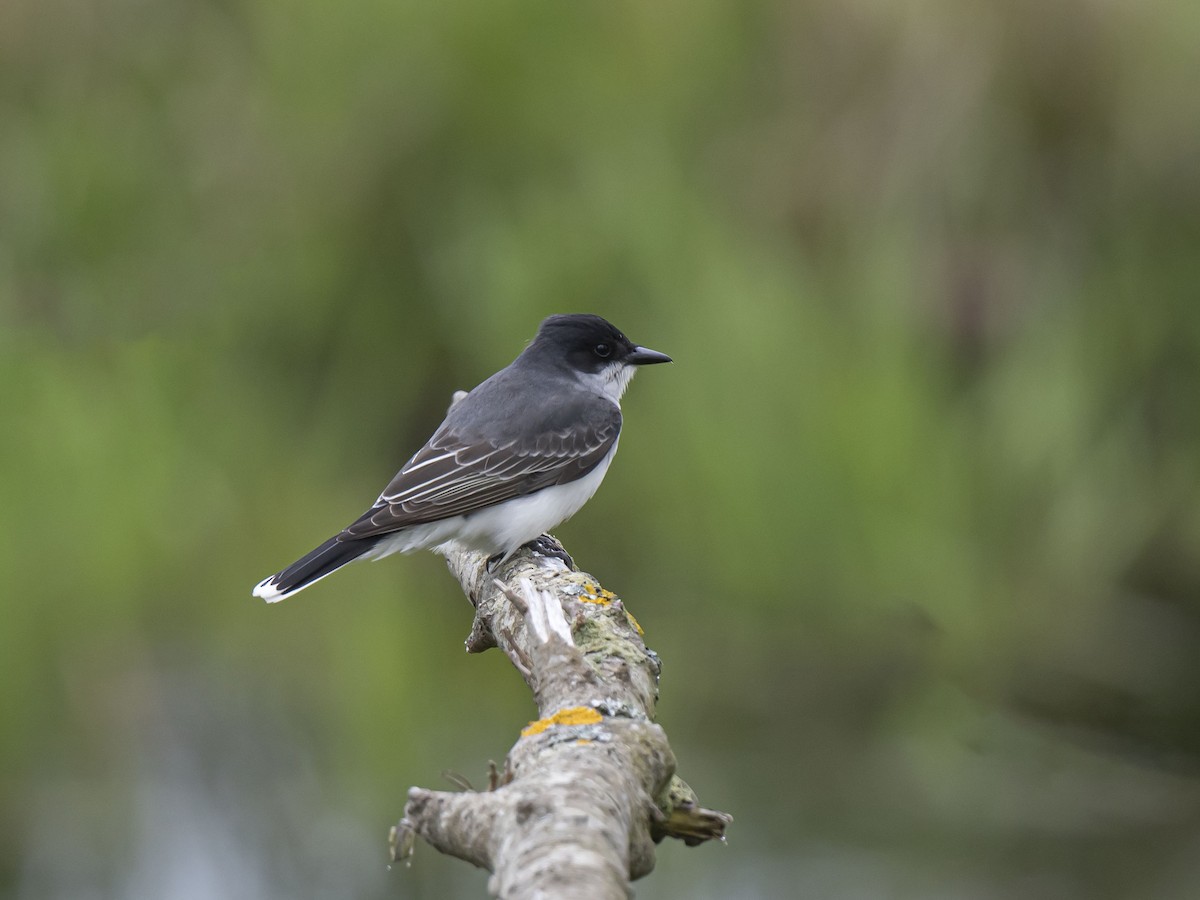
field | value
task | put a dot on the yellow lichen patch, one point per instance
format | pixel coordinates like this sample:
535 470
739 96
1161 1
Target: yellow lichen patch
583 741
634 622
575 715
593 593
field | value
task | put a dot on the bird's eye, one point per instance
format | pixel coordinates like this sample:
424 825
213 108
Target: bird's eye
604 351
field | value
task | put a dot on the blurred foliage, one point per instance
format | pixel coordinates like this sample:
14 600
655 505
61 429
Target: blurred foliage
914 520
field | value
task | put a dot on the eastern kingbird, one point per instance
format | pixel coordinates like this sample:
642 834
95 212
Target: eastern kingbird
516 456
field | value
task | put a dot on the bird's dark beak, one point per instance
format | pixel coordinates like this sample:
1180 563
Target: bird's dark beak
644 356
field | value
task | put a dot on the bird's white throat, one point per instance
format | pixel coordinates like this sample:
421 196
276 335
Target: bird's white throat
611 381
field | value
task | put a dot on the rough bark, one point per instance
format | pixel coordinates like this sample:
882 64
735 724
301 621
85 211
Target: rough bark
590 787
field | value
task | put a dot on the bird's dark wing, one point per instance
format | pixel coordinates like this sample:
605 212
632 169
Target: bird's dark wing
455 474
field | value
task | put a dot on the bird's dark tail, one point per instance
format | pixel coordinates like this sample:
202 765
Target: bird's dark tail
312 567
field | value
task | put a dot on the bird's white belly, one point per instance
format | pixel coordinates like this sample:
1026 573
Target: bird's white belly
506 526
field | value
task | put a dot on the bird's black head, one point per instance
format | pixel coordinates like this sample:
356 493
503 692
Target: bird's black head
590 345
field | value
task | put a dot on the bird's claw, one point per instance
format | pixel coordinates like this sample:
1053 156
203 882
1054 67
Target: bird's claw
545 545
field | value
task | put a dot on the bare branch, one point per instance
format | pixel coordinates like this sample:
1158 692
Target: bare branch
590 787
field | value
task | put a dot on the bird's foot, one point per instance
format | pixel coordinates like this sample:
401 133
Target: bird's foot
545 545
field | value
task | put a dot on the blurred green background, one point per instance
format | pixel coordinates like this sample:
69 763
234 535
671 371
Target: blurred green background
914 519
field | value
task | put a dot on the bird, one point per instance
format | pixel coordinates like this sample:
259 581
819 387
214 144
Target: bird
517 455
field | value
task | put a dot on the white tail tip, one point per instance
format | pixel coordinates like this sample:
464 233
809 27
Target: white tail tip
268 591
